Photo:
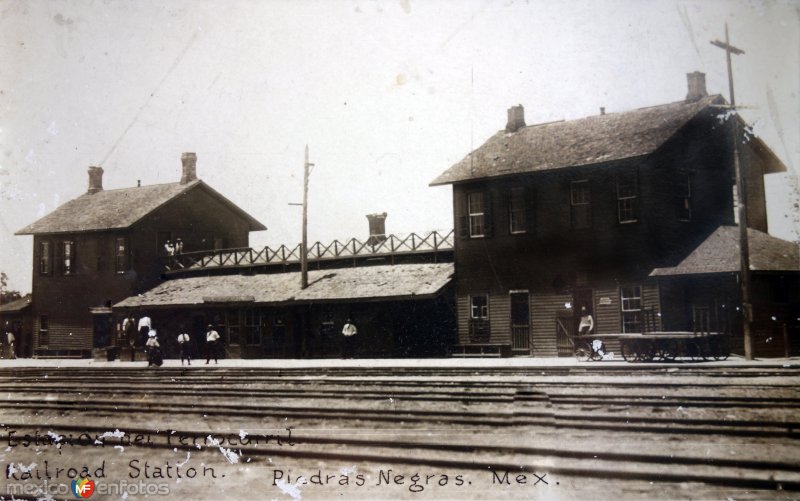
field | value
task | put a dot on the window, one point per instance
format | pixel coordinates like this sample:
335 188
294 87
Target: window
735 203
479 307
44 330
122 253
581 205
476 208
234 327
68 257
683 195
631 304
628 197
252 327
44 257
517 220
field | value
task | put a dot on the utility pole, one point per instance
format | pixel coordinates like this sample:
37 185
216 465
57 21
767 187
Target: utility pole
741 192
304 245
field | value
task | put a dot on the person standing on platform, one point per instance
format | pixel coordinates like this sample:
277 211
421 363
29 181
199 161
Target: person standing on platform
154 356
349 332
10 338
145 324
212 344
586 323
183 344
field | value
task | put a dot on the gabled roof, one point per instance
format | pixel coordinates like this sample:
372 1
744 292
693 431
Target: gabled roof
719 253
366 283
121 208
586 141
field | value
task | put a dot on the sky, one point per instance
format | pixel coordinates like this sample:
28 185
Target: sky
387 95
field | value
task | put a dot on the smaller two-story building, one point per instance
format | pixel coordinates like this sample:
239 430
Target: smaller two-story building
107 245
602 213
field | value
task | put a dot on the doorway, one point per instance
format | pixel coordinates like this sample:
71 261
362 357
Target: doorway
520 322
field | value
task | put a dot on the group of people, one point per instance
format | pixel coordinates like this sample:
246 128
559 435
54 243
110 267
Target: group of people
148 336
173 248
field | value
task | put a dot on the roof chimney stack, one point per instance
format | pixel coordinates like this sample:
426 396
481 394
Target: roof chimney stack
516 118
189 161
95 179
697 86
377 228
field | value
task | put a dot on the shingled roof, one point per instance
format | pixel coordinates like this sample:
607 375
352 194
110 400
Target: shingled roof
586 141
121 208
367 283
719 253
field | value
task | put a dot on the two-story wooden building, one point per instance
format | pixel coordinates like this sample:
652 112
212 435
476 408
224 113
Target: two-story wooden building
107 245
558 216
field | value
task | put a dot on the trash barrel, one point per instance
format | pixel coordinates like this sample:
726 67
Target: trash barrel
112 353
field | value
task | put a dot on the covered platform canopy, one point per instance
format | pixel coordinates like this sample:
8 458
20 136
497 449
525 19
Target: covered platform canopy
365 283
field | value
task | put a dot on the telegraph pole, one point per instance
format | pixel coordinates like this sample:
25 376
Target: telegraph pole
304 245
741 192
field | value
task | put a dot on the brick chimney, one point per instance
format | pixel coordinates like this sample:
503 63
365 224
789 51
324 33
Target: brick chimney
189 161
377 228
697 86
516 118
95 179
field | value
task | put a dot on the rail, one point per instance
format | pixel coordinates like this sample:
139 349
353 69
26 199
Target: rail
393 245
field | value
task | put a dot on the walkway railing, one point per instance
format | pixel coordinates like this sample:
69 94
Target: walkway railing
392 245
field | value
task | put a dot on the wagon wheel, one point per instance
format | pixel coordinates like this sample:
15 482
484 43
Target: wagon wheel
645 351
628 354
722 348
582 353
666 350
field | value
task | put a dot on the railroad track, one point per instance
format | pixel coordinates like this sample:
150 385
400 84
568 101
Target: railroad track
514 420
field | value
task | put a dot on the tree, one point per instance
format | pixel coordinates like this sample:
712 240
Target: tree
6 295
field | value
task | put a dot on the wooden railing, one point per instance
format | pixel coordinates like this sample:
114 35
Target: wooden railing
433 242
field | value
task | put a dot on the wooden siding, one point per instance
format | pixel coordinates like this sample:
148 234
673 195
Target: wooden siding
607 316
462 314
544 310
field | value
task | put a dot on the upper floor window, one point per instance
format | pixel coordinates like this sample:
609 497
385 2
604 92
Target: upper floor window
683 196
476 210
628 197
580 204
68 257
122 253
631 305
517 211
44 257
